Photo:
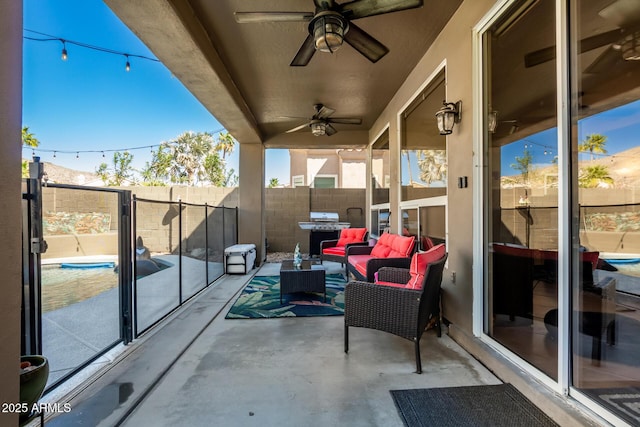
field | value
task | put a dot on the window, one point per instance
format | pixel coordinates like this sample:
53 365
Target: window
322 181
298 181
380 170
424 151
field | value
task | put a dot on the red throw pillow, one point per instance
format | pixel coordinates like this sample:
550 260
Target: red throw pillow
351 235
419 263
382 247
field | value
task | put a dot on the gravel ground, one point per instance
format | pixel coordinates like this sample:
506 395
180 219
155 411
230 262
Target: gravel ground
281 256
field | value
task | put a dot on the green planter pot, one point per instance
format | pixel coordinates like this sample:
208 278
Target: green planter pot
32 382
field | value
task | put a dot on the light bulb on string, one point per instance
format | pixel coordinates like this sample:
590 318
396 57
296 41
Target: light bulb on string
54 154
64 55
77 154
103 154
127 66
33 153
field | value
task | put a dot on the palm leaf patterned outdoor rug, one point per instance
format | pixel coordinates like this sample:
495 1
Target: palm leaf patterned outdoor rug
261 299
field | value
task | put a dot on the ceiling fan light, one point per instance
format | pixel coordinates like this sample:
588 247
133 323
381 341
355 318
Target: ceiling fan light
319 129
630 47
328 31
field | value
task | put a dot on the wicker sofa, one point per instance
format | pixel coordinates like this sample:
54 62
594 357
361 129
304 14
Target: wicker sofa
396 307
391 250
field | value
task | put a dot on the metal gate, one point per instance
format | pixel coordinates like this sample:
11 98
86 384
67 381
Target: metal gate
77 273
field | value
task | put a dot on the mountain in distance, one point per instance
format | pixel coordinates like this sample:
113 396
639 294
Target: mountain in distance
56 174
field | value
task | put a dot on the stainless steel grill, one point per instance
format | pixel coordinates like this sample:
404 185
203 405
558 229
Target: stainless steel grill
322 226
325 221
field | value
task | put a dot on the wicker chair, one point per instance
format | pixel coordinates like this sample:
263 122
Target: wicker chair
336 251
400 311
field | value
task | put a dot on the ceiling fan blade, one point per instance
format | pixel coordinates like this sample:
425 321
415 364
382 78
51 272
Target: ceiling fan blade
324 4
362 8
330 130
322 111
369 47
549 53
251 17
297 128
345 120
604 62
305 53
622 12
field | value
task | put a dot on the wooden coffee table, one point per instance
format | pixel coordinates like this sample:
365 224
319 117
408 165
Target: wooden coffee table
303 279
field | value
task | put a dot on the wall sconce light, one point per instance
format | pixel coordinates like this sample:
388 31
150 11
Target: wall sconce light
319 128
447 116
328 29
492 121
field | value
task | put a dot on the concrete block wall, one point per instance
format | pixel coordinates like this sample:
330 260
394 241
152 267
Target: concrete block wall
157 223
82 201
285 207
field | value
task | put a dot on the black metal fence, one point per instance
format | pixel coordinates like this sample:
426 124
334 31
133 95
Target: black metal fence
101 267
179 252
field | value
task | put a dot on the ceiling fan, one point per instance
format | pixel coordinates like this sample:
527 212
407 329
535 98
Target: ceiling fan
331 24
624 41
320 122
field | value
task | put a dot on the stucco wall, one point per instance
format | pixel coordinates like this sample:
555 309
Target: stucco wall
453 48
10 203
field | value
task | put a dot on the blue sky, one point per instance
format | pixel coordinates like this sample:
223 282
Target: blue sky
89 101
620 125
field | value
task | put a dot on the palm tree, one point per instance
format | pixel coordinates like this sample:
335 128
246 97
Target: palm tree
593 176
523 164
225 144
433 165
29 140
407 152
593 143
274 182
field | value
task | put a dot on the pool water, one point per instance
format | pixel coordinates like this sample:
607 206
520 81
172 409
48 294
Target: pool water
630 269
65 286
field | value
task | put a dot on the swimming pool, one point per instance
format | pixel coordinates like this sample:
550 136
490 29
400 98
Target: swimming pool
66 286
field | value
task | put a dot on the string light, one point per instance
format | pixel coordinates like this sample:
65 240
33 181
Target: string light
64 50
127 149
64 55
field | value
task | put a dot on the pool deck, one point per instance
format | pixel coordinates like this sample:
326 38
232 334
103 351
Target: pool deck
77 332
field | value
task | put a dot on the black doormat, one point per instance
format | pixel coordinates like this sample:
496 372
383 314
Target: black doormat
486 405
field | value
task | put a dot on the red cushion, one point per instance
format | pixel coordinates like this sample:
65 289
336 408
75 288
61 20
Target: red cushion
360 263
335 250
419 263
351 235
382 247
393 246
401 246
592 257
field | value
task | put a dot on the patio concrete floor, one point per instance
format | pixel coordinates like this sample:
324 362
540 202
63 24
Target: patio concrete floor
199 369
